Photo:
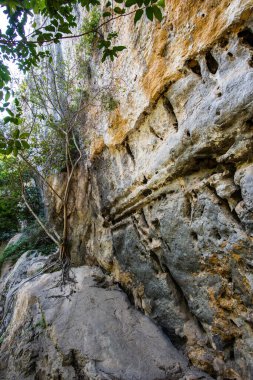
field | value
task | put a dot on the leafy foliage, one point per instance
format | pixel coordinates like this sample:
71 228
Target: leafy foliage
47 111
33 239
109 103
9 201
12 209
89 24
21 47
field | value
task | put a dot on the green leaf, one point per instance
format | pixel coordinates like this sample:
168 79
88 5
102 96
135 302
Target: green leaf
8 150
103 43
149 13
16 121
7 96
107 14
7 119
9 112
54 22
1 95
15 133
25 144
161 3
129 3
24 135
15 151
104 57
50 28
119 11
119 48
157 12
17 144
10 142
138 15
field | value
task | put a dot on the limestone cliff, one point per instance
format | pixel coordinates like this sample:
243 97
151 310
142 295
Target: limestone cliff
163 202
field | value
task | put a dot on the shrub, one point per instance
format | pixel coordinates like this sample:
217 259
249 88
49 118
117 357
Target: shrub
34 238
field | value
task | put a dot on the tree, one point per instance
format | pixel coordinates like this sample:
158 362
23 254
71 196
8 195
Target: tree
24 48
13 212
53 122
42 100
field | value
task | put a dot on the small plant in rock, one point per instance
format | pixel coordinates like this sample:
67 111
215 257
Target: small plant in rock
87 41
109 103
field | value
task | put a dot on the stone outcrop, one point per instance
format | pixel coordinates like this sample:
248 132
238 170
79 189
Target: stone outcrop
164 203
87 331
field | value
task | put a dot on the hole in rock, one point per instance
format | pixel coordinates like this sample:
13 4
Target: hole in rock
129 151
230 279
156 261
249 124
230 54
187 208
161 197
250 62
216 234
237 196
144 180
194 66
223 42
194 235
169 108
232 354
156 222
246 37
146 192
176 340
211 63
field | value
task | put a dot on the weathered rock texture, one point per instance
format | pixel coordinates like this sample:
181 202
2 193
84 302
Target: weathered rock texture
165 202
86 331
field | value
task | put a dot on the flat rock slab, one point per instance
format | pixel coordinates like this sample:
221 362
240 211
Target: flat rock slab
86 330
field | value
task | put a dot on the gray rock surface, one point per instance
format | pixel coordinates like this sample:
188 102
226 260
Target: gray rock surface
86 330
164 203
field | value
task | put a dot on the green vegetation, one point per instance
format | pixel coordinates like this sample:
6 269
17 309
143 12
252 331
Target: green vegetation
23 48
12 209
40 125
34 238
109 103
87 40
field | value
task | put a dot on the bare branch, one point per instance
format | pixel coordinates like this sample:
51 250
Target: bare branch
34 214
41 176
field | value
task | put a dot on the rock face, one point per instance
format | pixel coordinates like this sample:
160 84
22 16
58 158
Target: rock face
165 201
88 330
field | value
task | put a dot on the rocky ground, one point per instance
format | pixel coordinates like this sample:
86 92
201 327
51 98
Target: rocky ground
85 330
